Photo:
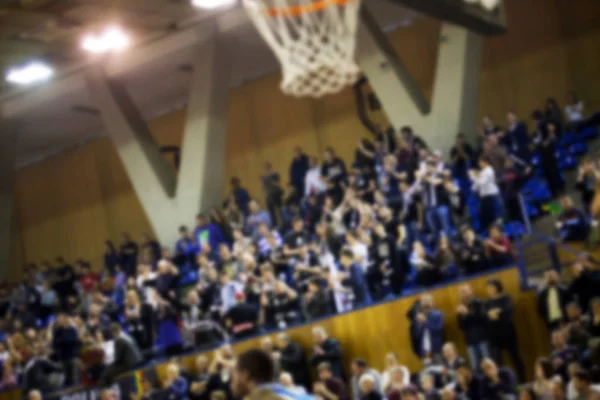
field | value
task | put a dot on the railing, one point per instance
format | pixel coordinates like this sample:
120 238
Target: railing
554 249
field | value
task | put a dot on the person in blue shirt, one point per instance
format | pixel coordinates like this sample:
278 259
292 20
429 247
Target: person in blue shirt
428 330
572 224
353 279
207 233
176 386
185 248
257 216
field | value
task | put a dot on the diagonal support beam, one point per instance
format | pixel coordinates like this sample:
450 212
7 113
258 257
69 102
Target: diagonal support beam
138 150
170 200
374 40
455 90
459 12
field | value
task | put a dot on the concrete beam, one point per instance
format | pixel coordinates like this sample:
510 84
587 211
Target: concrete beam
458 12
168 200
455 90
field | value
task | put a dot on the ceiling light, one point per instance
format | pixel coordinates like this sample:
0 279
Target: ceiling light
29 73
111 39
212 3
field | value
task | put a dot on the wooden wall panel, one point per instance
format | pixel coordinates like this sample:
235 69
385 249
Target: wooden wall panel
372 332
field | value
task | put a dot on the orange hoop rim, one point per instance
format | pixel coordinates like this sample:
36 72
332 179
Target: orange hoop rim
295 11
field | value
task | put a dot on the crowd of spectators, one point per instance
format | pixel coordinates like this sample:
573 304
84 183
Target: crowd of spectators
333 238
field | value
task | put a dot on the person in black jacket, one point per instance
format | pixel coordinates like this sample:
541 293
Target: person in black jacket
586 182
468 384
383 270
585 283
472 322
316 300
37 372
552 301
65 346
471 253
292 359
328 350
127 356
498 383
501 332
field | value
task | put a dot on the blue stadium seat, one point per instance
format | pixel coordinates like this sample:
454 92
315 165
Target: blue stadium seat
567 163
577 149
567 139
514 229
535 160
589 133
561 153
189 278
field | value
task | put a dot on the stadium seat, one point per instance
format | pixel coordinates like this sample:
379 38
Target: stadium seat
577 149
567 163
514 229
567 140
589 133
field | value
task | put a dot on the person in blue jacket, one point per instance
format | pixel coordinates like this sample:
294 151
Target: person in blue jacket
185 248
428 330
176 386
353 279
572 224
207 233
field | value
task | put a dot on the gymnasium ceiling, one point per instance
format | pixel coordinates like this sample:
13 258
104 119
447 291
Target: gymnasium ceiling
57 115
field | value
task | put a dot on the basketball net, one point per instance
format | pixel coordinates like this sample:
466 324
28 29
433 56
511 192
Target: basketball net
314 41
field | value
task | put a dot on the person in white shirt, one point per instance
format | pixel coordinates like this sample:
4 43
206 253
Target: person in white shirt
574 108
484 184
313 184
391 364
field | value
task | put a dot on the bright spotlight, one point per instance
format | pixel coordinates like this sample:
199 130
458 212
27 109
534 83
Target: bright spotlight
111 39
29 73
209 4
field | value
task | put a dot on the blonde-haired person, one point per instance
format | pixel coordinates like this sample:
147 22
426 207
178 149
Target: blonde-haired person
176 386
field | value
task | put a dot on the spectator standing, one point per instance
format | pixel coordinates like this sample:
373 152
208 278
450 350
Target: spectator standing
257 216
547 150
298 169
516 138
352 278
240 195
326 349
586 183
573 109
292 359
461 155
65 346
128 253
207 233
273 192
127 356
333 173
552 301
313 184
484 184
502 333
428 330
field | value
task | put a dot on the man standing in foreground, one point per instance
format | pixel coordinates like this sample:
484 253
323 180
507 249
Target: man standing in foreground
253 379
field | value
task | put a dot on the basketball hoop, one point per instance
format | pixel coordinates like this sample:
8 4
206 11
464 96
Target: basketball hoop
314 40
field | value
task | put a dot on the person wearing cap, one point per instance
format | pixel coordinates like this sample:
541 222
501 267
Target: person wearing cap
253 379
242 319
